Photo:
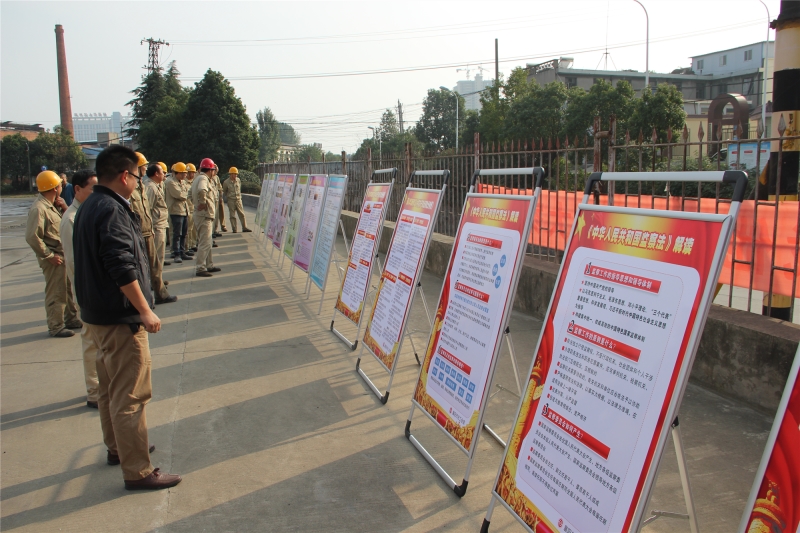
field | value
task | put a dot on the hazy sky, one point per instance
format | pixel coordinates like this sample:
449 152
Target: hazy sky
257 40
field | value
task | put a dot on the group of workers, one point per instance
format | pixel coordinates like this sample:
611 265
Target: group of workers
102 257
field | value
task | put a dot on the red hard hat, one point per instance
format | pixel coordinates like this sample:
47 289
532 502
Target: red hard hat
207 163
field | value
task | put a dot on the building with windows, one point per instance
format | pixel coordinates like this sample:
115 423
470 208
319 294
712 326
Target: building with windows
89 125
29 131
465 87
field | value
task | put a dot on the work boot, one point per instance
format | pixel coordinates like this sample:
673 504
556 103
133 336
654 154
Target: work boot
186 257
214 269
63 333
203 274
167 263
91 404
155 481
214 245
193 249
224 229
246 230
177 260
75 324
113 459
167 300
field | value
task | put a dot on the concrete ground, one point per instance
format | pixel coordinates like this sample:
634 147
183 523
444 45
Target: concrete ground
258 406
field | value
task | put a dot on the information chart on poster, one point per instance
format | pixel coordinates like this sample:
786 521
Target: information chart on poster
296 215
774 503
323 247
403 263
275 207
267 193
469 318
310 222
286 187
261 201
362 253
606 368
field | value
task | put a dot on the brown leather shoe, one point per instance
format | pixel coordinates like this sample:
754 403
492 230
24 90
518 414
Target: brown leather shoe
155 481
113 459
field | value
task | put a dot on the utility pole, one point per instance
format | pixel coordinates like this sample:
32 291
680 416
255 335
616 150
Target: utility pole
400 115
152 53
496 63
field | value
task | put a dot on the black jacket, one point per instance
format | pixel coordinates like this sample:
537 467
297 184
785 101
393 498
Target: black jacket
109 253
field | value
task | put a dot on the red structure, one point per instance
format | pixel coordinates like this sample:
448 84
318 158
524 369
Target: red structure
63 82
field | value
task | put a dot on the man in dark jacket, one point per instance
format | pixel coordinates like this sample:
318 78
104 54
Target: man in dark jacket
112 282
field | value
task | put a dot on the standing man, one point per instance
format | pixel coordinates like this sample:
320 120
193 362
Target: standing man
83 182
66 190
141 207
219 219
176 193
204 197
233 192
43 236
191 232
158 215
112 280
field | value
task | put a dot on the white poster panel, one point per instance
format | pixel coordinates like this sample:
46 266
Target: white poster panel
362 253
261 201
274 209
310 223
296 215
323 247
403 264
282 213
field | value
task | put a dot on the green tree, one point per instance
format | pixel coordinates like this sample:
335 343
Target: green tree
308 152
14 160
601 100
537 112
288 134
494 109
216 125
436 128
57 151
269 135
330 156
388 127
659 110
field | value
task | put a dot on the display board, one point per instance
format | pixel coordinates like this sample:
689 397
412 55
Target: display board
350 301
472 312
412 232
268 192
281 205
326 239
774 503
610 367
261 201
274 209
296 215
309 227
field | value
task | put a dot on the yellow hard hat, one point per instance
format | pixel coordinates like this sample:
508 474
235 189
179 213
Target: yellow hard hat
163 166
179 167
47 181
142 159
190 167
233 170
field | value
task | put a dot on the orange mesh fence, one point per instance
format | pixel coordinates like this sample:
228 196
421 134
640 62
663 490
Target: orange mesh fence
556 211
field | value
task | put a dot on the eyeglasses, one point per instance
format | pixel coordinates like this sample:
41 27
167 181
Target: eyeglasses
137 176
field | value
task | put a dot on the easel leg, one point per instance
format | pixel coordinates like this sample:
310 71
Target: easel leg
488 518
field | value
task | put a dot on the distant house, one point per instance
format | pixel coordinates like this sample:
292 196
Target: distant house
29 131
286 152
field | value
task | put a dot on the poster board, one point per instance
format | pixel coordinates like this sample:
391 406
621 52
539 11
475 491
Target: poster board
268 192
310 224
261 201
281 204
296 215
353 292
774 502
473 311
274 207
612 362
329 225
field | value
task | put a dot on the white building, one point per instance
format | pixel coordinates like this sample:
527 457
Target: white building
88 125
473 101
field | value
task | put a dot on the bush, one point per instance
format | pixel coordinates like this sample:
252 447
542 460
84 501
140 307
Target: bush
250 182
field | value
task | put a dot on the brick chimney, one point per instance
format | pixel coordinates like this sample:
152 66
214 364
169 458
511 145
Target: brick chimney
63 82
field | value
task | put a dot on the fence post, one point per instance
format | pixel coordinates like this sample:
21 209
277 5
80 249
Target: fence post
409 168
344 162
369 163
597 165
612 155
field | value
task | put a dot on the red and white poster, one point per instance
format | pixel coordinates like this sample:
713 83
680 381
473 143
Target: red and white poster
774 504
403 264
362 252
472 307
607 367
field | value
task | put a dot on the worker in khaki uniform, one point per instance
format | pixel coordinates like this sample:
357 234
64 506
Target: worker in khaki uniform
232 188
141 207
43 236
175 193
83 183
191 232
158 215
205 198
219 218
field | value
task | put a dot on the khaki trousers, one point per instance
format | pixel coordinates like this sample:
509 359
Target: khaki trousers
191 233
59 302
123 366
219 216
90 354
204 227
235 208
156 267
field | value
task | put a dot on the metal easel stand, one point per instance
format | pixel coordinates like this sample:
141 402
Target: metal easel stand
410 333
687 488
354 344
384 397
500 388
334 261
